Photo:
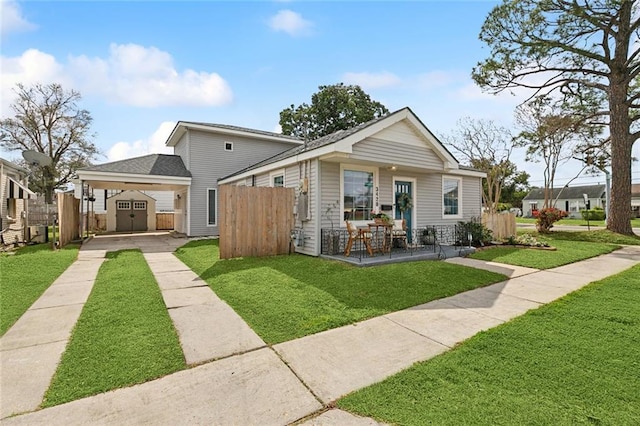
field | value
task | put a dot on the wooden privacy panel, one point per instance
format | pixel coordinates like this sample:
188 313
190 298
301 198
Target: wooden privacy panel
503 225
254 221
68 218
164 221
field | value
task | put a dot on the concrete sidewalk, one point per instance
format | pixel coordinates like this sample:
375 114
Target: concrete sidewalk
254 384
31 349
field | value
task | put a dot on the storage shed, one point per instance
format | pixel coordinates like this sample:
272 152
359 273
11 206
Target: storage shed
131 211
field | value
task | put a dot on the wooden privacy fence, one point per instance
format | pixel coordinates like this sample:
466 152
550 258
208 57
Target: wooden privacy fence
255 221
68 218
503 225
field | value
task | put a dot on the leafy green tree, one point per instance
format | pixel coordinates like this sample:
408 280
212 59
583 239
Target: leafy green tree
47 119
485 146
515 189
586 52
335 107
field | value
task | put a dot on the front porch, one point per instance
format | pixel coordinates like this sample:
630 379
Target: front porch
427 243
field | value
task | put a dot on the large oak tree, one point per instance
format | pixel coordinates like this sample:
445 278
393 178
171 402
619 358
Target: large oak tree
47 119
588 53
334 107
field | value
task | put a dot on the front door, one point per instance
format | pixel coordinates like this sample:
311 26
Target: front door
131 215
404 202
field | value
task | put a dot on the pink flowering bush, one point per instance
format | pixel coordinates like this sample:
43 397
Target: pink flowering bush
545 218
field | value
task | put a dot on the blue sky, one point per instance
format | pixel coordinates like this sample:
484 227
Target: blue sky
142 66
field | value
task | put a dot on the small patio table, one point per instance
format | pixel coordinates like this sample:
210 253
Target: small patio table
380 233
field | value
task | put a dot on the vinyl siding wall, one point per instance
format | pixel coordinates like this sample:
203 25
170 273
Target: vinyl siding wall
208 161
401 154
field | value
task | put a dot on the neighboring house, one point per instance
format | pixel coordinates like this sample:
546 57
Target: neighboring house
14 193
349 173
365 169
635 199
570 199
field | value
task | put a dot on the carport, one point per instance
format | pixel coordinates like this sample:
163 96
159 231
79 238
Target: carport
154 172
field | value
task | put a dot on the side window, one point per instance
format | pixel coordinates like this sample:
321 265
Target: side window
451 191
211 207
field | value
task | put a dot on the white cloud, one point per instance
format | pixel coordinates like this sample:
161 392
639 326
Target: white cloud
11 19
369 80
291 23
131 75
33 66
147 77
154 144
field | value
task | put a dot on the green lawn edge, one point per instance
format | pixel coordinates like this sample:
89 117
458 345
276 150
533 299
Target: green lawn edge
566 252
286 297
569 362
124 335
26 274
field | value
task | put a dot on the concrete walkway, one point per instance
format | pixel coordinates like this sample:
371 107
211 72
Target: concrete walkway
248 383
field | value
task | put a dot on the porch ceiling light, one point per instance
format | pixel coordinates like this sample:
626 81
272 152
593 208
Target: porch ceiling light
392 168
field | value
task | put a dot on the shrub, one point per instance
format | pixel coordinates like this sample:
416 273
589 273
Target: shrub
480 234
545 218
595 214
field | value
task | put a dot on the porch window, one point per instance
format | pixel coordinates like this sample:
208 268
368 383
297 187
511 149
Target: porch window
357 194
451 196
211 207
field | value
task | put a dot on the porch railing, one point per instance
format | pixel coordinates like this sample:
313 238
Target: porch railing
428 239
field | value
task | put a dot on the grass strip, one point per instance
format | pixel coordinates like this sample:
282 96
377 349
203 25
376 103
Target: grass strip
124 335
570 362
26 274
286 297
567 252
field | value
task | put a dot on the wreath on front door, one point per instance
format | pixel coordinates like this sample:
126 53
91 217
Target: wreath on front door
404 201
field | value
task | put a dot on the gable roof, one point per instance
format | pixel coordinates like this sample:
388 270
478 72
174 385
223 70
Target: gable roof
181 128
152 164
343 140
569 192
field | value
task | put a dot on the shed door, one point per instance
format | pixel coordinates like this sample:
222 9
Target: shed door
131 216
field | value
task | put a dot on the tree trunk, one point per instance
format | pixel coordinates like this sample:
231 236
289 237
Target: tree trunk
619 219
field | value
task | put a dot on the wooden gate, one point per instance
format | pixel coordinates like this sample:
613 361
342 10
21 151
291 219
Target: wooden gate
255 221
68 218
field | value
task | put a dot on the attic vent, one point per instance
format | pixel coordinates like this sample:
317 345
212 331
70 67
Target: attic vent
228 146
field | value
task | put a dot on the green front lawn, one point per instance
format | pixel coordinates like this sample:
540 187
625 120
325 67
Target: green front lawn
574 361
124 335
26 274
286 297
635 223
567 252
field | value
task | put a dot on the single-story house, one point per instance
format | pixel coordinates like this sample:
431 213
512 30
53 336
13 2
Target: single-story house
569 198
14 193
345 175
351 173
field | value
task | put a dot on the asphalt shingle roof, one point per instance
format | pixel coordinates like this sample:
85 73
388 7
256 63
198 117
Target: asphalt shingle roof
152 164
569 193
244 129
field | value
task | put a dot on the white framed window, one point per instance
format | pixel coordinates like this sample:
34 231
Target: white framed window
139 205
358 191
228 146
212 204
123 205
451 197
276 178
